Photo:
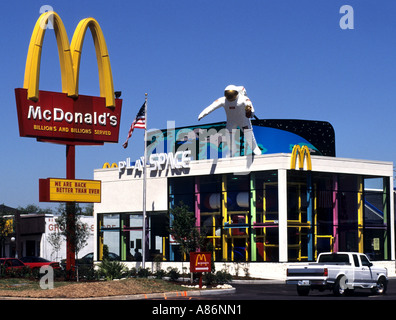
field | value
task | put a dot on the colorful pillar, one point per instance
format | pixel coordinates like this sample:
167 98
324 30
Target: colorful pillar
123 238
171 206
391 217
385 211
197 190
253 250
282 214
224 215
310 204
360 213
335 213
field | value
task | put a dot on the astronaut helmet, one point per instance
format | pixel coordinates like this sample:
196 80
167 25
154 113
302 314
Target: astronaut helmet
231 92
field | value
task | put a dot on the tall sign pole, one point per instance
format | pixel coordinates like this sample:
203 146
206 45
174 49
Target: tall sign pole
144 187
70 212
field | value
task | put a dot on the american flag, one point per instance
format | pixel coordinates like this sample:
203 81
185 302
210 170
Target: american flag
139 122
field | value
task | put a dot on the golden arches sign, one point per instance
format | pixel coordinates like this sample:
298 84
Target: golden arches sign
107 165
300 153
69 57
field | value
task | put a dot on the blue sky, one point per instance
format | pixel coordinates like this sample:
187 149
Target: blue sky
292 56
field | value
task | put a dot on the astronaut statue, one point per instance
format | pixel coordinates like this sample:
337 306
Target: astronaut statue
239 110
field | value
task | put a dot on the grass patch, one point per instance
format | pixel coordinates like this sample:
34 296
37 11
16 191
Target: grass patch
21 284
18 287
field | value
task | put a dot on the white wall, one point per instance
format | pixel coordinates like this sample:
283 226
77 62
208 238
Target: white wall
47 251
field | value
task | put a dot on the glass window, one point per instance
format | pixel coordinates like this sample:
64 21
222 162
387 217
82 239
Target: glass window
181 190
132 233
334 258
356 260
109 234
376 217
365 261
266 221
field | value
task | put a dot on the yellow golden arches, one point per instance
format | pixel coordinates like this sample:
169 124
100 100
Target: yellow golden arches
102 57
107 165
69 57
301 152
32 68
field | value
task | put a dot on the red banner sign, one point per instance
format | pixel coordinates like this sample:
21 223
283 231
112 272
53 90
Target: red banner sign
200 262
55 117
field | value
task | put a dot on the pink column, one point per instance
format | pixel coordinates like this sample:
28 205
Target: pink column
197 203
335 213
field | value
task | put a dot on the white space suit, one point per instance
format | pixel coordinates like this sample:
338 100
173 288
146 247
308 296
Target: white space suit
236 104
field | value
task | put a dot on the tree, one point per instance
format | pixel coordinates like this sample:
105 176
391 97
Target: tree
55 240
184 230
6 229
81 233
32 208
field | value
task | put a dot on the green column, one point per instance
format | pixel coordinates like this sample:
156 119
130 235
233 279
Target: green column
123 238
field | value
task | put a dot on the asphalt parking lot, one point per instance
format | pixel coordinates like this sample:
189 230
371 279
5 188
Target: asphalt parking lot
278 290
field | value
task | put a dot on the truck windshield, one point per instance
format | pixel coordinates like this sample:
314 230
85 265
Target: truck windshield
334 258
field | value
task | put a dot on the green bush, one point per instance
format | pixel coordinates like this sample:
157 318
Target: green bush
143 273
87 273
159 274
220 277
223 277
112 269
24 272
173 273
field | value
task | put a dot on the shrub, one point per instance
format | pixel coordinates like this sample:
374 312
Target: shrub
159 274
173 273
112 269
87 273
143 273
220 277
223 277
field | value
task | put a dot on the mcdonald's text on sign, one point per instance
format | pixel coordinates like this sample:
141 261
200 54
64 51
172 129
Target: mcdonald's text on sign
200 262
67 190
57 117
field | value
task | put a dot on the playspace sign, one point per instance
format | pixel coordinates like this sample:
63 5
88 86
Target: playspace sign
55 117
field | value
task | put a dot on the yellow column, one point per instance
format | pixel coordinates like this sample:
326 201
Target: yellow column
360 213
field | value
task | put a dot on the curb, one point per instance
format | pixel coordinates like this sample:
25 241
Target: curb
166 295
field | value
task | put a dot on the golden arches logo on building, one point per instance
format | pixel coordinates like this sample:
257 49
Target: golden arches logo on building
69 57
107 165
300 153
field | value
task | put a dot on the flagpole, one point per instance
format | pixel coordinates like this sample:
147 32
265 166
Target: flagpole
144 187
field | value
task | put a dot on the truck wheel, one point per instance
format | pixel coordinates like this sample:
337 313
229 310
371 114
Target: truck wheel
339 286
303 290
380 287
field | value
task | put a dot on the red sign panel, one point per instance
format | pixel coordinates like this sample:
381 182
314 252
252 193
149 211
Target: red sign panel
55 117
200 262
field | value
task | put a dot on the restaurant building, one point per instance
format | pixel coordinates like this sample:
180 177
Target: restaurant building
287 205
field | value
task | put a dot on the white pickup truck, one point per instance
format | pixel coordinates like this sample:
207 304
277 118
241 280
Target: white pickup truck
340 272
